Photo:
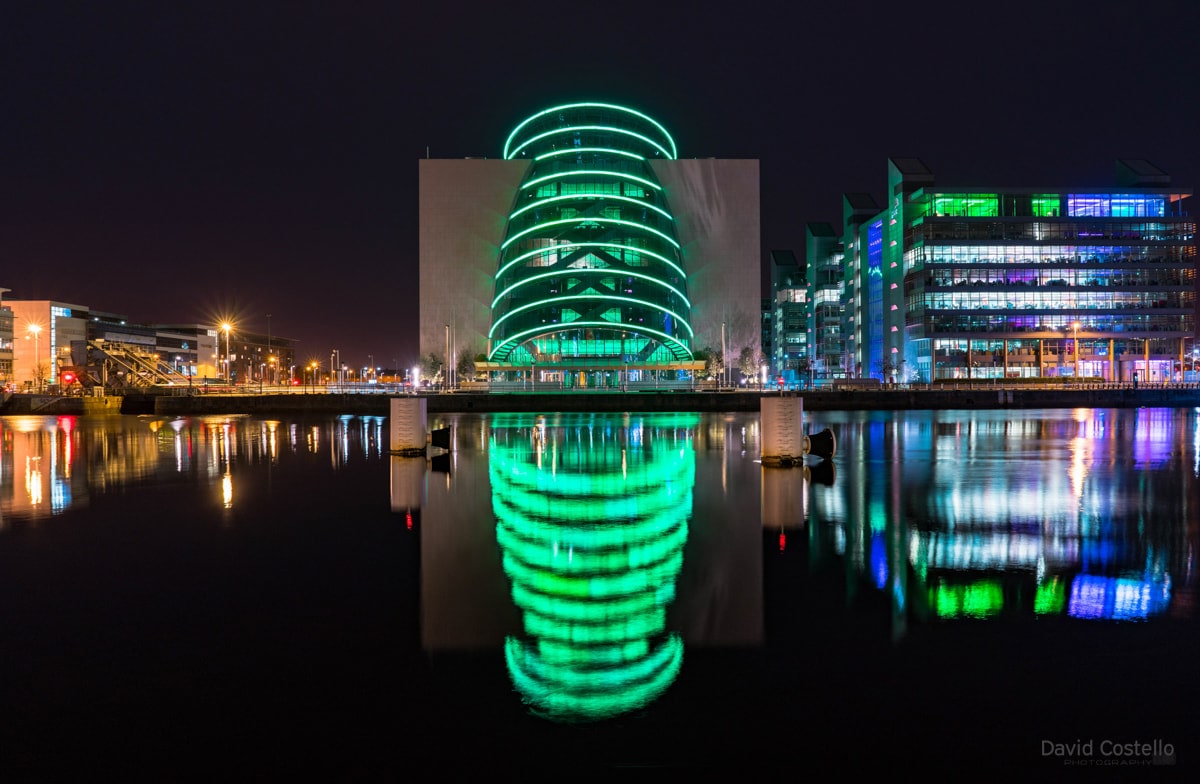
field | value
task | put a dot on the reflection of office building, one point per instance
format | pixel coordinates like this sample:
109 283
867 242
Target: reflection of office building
590 255
1060 531
592 523
985 282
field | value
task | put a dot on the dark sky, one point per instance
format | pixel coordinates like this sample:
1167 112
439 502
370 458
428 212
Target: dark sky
179 161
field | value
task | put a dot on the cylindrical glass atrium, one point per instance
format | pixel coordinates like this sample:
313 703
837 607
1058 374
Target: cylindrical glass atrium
590 274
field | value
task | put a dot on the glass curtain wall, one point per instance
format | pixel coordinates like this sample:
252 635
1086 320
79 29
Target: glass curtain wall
589 275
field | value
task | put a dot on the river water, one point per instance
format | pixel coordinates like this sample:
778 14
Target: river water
978 591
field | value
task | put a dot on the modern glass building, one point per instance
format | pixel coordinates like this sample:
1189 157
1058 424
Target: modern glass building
590 276
988 283
824 315
790 350
589 255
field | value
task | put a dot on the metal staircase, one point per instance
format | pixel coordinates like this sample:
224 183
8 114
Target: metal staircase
131 365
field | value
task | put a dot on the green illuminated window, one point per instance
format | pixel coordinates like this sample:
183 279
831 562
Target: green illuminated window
974 205
1046 206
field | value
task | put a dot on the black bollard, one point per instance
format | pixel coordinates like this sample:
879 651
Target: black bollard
820 444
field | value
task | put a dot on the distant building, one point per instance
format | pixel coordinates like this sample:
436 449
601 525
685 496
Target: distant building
41 338
7 380
590 255
976 282
825 253
43 331
789 338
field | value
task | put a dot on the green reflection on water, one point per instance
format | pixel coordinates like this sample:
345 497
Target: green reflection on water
592 518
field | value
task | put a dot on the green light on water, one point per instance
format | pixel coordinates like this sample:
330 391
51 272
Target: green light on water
593 551
981 599
1051 597
575 696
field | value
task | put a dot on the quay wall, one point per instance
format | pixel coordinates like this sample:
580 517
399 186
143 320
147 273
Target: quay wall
480 402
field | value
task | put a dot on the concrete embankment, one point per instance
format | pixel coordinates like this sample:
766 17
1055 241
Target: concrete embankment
377 405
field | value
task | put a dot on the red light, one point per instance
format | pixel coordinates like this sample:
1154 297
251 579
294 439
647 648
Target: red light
408 520
68 378
782 541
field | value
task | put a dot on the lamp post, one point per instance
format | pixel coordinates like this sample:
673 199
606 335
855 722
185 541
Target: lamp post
724 358
227 327
36 331
268 345
1075 327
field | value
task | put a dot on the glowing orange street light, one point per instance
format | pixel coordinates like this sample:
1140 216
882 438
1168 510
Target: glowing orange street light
227 327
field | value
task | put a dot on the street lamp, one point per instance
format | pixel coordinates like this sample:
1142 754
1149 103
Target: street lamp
227 327
1075 327
36 331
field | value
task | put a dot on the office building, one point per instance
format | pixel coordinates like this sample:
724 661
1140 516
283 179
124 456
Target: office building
979 282
590 255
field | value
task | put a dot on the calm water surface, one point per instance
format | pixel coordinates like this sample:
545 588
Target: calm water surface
976 591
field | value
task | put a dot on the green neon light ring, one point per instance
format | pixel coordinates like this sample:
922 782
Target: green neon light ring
574 128
554 652
667 340
582 196
593 297
557 702
572 246
521 509
598 586
598 525
577 221
631 628
598 679
578 150
588 105
592 173
586 610
591 271
658 515
581 559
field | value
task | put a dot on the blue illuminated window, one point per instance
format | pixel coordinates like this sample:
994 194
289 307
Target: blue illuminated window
1115 205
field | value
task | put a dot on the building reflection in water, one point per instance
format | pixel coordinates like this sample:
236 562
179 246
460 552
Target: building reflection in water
1086 514
52 464
592 519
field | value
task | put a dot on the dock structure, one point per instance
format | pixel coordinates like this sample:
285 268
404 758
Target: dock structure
783 439
406 426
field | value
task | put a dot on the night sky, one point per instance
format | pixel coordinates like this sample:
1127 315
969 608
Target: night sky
183 162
